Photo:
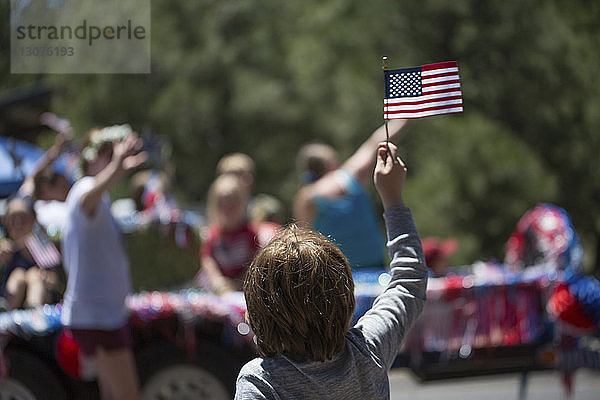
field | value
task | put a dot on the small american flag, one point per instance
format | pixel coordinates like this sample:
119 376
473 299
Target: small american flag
423 91
44 252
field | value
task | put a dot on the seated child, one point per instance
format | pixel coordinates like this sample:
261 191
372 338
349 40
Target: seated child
231 240
25 281
263 209
300 301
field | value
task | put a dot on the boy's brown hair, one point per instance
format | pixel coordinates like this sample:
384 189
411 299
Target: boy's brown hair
300 296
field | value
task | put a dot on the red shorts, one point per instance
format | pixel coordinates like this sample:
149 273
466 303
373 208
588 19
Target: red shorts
90 339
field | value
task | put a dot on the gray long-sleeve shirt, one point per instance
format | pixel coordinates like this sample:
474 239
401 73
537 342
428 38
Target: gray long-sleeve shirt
361 370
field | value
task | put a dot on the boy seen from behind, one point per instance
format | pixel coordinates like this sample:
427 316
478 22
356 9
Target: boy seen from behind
300 300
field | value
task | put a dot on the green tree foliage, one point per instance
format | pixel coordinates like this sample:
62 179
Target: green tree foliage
472 179
265 76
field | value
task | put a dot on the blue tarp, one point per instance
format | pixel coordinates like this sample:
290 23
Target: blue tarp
17 160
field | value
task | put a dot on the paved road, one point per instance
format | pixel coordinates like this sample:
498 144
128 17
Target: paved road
541 386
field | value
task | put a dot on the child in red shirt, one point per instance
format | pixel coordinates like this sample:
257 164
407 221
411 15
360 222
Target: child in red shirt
231 240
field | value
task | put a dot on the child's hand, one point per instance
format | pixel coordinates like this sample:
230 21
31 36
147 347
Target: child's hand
389 176
6 251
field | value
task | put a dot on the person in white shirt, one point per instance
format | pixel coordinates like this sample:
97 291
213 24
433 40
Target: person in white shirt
98 268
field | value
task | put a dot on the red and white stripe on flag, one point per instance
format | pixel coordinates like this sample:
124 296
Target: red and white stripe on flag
424 91
44 252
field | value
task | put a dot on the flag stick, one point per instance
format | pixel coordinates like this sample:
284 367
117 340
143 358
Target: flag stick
384 60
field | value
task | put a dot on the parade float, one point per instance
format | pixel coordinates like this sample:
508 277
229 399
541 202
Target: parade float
536 310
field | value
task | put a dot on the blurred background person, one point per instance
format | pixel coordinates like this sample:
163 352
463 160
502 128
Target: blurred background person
97 265
49 183
46 182
231 239
264 210
261 207
267 214
29 275
151 192
241 165
335 200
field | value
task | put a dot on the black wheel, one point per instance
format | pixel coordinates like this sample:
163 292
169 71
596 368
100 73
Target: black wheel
29 379
166 373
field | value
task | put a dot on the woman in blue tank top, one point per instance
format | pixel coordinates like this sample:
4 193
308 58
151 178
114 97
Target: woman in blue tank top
335 203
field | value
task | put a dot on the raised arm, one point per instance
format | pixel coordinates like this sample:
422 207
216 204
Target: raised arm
123 159
28 186
396 309
360 164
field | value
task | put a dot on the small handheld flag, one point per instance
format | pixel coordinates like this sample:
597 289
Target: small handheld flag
424 91
43 251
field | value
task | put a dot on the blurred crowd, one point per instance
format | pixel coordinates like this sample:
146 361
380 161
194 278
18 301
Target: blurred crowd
233 224
62 236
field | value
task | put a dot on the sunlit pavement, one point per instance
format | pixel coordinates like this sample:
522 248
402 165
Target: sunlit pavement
540 386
